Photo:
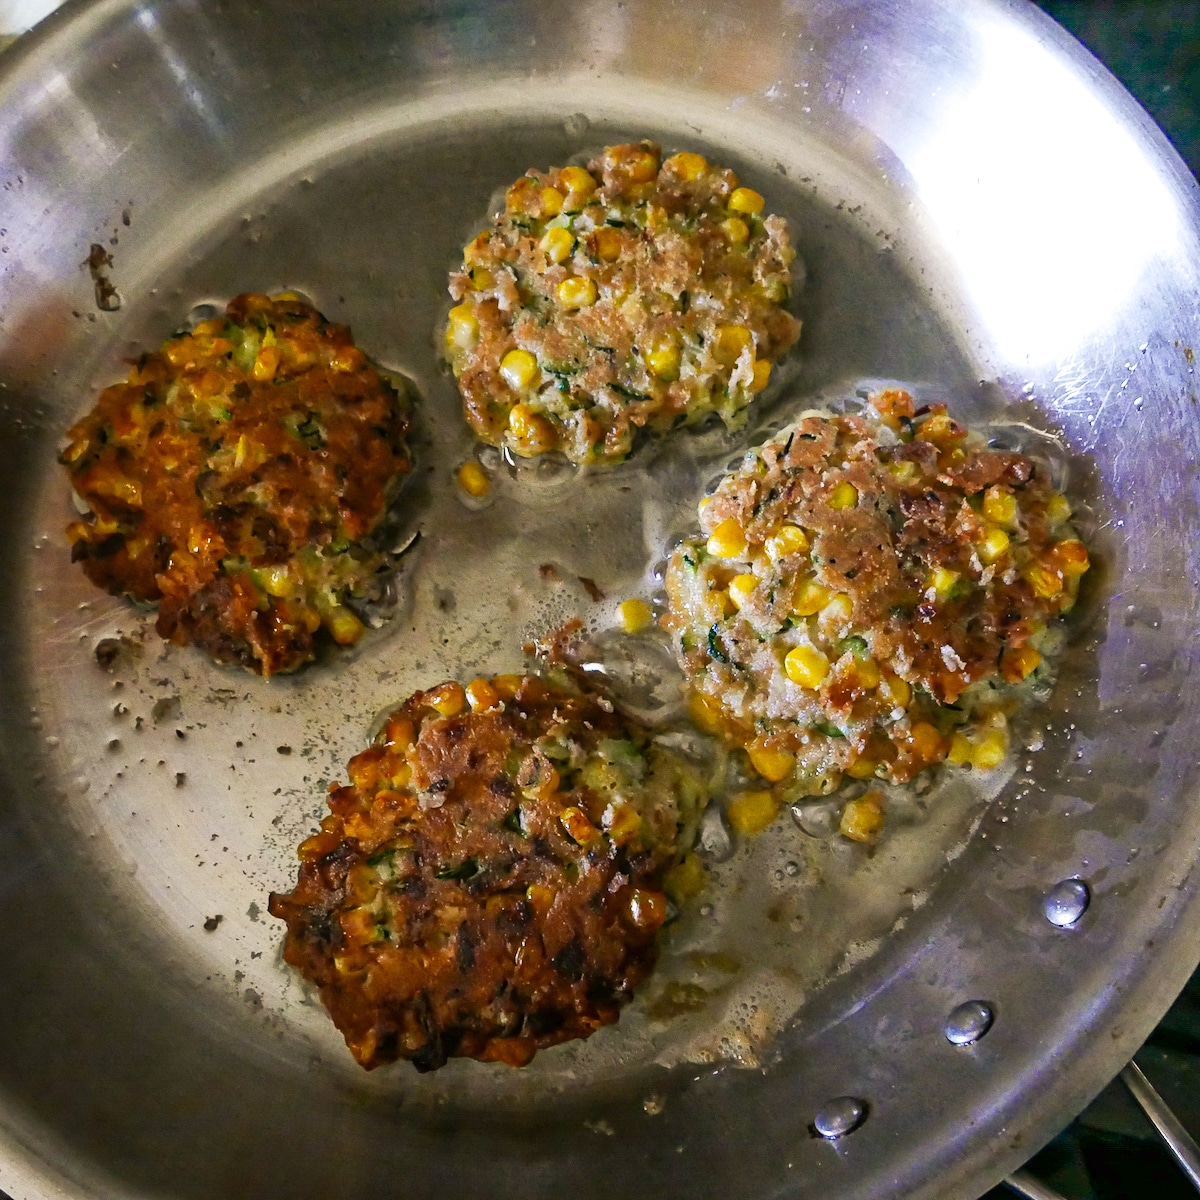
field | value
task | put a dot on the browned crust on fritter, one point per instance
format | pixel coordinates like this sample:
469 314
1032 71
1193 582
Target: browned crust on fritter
470 897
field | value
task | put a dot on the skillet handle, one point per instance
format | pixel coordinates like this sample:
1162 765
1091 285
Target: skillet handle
1180 1143
1026 1185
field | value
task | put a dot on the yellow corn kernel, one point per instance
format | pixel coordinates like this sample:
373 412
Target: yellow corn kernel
942 430
862 819
730 341
999 505
663 359
751 812
635 615
481 695
941 583
463 328
960 751
906 471
845 495
1070 557
473 480
994 544
762 375
482 279
557 244
473 250
449 700
1046 584
687 879
741 588
787 539
345 627
772 765
705 713
811 597
866 674
862 768
727 540
266 364
552 201
1058 509
991 750
687 165
736 230
540 898
1020 663
746 200
839 610
926 743
641 167
399 732
532 433
621 822
806 666
579 181
575 821
895 690
577 292
278 581
519 369
608 244
506 686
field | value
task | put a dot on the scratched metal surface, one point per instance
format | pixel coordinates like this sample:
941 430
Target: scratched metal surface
1030 252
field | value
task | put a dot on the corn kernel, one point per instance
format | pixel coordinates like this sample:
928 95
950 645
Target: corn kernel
1070 557
896 690
991 750
540 897
751 812
645 909
687 879
621 822
687 165
926 743
862 768
473 250
641 167
579 181
730 341
463 328
741 588
531 432
1020 663
519 369
999 505
940 583
664 360
906 471
506 686
482 279
266 364
608 244
839 610
635 615
845 495
787 539
746 200
960 751
994 544
473 480
579 828
345 627
278 581
705 713
806 666
557 244
862 819
736 230
866 674
399 732
772 765
811 597
762 375
727 540
449 700
1058 509
552 201
577 292
942 430
481 695
1047 584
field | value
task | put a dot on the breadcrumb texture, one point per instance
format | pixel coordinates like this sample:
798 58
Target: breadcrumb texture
869 595
637 293
234 479
491 879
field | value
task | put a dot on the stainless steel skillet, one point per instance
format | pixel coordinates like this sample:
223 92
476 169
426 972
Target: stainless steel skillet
982 212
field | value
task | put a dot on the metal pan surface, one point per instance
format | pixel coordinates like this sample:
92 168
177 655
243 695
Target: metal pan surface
983 214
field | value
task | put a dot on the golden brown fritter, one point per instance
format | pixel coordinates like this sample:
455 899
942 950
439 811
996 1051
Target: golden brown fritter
490 882
233 479
867 593
633 293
